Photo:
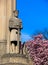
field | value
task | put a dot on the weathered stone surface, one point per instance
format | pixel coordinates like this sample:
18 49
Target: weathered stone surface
13 64
3 47
18 59
15 23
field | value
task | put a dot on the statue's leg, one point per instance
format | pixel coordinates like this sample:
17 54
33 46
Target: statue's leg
13 46
10 48
24 50
16 49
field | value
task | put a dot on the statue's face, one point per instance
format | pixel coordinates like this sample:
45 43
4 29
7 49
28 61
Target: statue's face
15 13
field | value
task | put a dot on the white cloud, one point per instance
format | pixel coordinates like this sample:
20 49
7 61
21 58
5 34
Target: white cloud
25 37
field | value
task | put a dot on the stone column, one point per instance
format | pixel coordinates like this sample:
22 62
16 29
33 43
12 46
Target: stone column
2 20
10 8
14 4
3 27
9 13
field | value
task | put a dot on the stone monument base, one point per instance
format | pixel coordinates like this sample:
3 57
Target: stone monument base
14 59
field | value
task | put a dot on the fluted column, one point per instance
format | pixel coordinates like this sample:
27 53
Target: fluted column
14 4
9 13
10 8
2 20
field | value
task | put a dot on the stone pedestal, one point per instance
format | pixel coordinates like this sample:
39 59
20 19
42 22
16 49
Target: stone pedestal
14 59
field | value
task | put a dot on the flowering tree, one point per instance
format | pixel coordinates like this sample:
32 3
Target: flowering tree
38 50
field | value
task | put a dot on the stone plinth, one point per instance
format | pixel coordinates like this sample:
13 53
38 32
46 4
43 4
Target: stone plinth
14 59
13 64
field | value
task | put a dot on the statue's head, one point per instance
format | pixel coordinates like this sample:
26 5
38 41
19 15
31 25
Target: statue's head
16 13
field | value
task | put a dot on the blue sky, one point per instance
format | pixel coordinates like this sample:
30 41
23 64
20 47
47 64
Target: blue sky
34 15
